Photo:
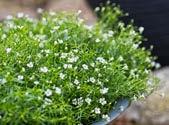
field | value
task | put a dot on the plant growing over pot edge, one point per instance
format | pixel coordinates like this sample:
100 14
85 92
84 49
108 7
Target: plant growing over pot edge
57 70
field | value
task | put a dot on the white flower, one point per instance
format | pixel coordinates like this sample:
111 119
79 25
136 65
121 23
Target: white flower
8 50
92 79
48 101
92 64
67 66
36 82
9 17
110 33
76 50
79 12
88 100
99 82
63 55
141 29
146 71
104 90
121 58
44 69
75 67
132 72
20 77
97 110
47 51
48 92
96 69
56 27
135 46
78 87
20 15
99 75
80 101
157 65
3 36
102 101
55 42
41 45
85 66
58 90
97 40
39 10
111 59
73 59
101 60
30 64
125 67
32 77
106 117
23 69
60 41
97 9
76 82
62 76
3 81
148 60
74 101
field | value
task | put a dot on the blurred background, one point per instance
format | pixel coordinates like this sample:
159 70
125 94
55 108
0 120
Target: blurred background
12 7
154 110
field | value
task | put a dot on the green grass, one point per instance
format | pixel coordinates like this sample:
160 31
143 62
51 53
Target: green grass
57 70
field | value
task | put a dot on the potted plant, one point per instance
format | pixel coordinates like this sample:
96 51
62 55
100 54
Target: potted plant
57 70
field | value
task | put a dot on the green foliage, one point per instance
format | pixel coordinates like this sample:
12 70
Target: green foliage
57 70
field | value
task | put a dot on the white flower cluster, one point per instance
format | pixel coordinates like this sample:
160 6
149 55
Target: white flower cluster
49 92
8 50
76 82
104 90
20 77
88 100
85 67
62 76
44 69
67 66
30 65
73 59
92 80
60 63
78 101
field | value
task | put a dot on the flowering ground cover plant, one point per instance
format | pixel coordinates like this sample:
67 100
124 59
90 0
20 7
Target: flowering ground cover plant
57 70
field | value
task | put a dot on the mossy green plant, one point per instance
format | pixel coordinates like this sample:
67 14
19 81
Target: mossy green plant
57 70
